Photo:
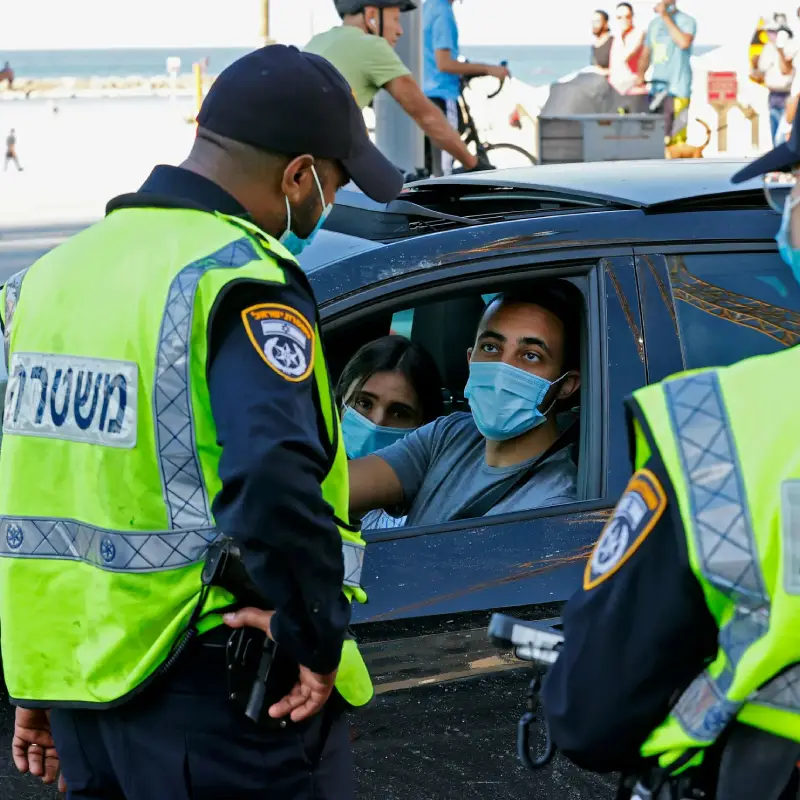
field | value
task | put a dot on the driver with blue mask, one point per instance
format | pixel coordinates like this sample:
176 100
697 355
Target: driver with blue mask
680 661
502 456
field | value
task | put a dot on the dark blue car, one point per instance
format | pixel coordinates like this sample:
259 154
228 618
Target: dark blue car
676 269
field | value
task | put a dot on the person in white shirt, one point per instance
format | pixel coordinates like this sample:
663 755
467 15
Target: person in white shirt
775 66
626 52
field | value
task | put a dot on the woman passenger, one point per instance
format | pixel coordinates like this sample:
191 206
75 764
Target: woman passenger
389 388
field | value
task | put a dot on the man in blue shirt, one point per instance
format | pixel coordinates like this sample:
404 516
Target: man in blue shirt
669 49
443 71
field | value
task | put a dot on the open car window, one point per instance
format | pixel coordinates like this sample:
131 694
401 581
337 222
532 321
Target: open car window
446 328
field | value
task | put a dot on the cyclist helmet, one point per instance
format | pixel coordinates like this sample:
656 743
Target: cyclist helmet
345 7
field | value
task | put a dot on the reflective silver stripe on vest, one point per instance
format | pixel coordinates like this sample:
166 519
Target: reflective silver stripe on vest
140 551
184 489
724 539
353 554
13 286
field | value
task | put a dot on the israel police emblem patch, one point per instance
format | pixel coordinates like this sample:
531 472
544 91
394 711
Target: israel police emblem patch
639 509
283 337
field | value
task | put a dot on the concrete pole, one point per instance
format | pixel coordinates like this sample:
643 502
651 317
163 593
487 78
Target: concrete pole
396 134
265 37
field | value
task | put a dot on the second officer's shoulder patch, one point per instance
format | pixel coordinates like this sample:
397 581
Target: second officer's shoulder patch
636 514
283 337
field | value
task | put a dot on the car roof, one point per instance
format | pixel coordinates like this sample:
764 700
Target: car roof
639 184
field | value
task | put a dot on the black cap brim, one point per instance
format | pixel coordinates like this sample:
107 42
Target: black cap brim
781 159
374 174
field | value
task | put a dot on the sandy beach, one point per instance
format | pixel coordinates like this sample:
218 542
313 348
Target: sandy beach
89 151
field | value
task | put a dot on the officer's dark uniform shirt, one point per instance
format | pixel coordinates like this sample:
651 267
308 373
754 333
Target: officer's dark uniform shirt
634 640
273 458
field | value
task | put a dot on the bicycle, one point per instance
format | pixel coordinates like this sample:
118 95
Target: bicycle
471 136
494 155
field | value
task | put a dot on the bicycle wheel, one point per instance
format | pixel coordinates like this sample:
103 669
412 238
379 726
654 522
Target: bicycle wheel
504 156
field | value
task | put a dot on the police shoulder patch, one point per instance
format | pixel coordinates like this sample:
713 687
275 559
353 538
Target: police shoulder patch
636 514
283 337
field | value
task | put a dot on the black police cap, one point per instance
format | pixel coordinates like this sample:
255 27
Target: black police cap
279 99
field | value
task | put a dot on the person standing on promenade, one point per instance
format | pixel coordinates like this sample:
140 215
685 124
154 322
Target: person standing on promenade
11 151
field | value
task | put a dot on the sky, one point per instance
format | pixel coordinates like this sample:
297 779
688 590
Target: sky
82 24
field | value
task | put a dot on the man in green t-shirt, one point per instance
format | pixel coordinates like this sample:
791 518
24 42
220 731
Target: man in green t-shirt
362 49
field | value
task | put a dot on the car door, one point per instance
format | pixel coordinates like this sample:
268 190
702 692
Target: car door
534 557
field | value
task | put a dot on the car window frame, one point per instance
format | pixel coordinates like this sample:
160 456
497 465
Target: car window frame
590 263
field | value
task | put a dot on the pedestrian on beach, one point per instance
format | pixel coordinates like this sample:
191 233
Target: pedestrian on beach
11 151
7 74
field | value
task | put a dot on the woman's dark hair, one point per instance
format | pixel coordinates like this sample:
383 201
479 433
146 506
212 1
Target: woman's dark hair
603 14
626 5
395 354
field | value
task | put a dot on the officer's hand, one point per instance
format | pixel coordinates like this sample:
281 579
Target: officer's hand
311 691
307 698
32 747
250 618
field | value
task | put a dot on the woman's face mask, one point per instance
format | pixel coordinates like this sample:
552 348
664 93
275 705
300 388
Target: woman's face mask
362 437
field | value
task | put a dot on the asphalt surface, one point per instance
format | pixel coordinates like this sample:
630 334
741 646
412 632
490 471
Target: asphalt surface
449 742
454 740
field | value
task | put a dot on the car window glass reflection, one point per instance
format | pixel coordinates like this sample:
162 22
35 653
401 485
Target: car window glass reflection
732 306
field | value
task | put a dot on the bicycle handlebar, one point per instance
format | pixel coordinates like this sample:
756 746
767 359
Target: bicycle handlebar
502 82
465 81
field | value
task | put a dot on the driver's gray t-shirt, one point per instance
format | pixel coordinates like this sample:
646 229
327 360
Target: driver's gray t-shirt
443 470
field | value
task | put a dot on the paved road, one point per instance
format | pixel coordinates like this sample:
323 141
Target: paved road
20 247
437 742
450 742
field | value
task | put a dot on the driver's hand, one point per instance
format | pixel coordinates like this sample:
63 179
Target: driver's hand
501 73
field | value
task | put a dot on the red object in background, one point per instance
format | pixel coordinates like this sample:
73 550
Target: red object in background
723 87
515 120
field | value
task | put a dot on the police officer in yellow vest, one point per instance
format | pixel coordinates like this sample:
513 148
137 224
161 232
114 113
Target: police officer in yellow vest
681 661
168 387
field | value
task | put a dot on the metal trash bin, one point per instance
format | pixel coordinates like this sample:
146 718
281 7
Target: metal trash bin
600 137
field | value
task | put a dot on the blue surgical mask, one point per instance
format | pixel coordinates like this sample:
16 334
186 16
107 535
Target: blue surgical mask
290 240
505 400
791 255
362 437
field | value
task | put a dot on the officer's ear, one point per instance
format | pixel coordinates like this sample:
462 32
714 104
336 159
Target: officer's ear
298 179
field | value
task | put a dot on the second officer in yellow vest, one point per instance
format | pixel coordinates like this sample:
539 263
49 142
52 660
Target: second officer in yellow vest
168 393
681 661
